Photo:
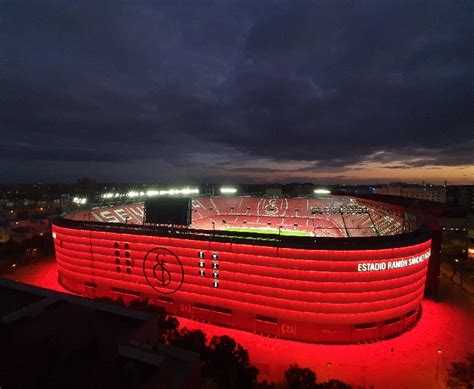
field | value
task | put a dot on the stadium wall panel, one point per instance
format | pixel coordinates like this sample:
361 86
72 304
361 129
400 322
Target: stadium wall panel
308 294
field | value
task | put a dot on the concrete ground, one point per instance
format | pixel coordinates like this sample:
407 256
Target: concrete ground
408 361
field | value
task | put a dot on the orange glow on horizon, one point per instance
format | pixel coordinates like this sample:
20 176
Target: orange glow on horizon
367 172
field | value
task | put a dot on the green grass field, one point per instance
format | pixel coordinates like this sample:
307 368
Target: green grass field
268 231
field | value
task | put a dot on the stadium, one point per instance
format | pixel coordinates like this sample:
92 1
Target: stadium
324 269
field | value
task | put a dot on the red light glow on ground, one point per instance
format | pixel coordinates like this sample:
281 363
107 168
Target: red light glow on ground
407 361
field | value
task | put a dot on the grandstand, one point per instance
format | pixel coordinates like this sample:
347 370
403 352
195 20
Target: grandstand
329 216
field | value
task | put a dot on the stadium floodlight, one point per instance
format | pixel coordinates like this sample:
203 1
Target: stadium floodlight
228 190
322 191
151 193
188 190
133 194
183 191
79 200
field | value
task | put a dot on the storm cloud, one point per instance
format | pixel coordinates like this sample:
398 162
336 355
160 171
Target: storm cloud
182 89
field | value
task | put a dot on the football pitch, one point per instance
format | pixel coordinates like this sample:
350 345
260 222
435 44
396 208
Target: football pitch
269 231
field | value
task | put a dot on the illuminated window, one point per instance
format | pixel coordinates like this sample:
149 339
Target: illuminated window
202 272
215 284
215 265
201 254
201 263
215 274
215 256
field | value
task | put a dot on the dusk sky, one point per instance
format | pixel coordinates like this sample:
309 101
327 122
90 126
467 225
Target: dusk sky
244 91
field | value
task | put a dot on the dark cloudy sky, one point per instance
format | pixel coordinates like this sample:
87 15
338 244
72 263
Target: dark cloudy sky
322 91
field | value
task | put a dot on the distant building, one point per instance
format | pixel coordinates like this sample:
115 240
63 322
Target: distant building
27 229
86 185
353 190
4 233
462 196
457 233
421 192
302 189
273 191
19 234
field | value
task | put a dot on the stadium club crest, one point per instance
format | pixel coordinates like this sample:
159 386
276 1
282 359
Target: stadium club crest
163 270
272 207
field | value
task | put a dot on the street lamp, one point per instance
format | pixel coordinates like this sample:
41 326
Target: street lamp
439 351
329 370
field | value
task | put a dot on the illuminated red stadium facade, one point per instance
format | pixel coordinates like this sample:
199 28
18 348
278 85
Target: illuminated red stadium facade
358 275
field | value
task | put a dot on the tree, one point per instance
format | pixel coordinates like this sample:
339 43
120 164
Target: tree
168 328
271 385
146 306
300 378
461 374
226 364
190 340
334 384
